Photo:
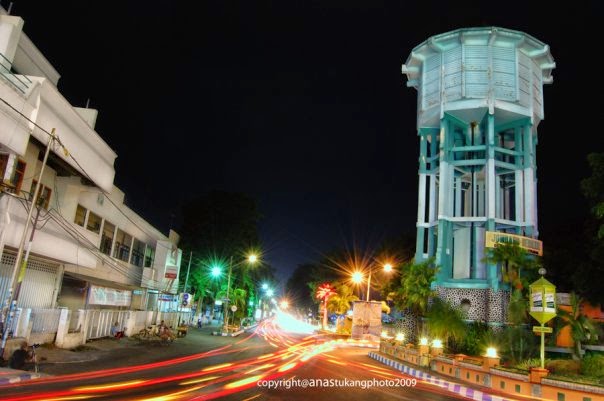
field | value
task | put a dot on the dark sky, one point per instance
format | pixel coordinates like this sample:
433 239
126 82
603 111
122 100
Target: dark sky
299 103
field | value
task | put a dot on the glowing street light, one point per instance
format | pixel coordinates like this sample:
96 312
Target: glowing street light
265 286
216 271
284 304
270 292
387 268
357 277
251 259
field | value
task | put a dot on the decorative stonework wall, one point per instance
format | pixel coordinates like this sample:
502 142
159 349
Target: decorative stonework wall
485 305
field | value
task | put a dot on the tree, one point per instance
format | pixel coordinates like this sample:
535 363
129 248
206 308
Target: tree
218 226
593 265
415 289
518 269
339 303
593 189
582 328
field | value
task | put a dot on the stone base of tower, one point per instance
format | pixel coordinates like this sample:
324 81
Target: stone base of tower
482 304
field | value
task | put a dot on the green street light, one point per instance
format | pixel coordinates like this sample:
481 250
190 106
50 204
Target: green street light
269 292
216 271
265 286
251 259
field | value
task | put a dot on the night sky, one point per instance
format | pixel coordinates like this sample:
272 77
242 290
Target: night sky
301 104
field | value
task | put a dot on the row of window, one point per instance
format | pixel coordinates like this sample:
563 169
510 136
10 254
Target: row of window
124 246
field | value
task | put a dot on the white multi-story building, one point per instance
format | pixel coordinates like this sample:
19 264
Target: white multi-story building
89 249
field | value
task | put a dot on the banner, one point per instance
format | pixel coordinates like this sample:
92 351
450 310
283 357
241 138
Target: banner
171 271
109 296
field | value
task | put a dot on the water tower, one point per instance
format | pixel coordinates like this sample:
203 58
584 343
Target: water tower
480 100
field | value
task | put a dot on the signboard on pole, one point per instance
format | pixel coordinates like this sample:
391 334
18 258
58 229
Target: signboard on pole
171 271
543 300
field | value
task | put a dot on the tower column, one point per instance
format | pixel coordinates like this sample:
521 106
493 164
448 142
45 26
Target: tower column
421 199
491 192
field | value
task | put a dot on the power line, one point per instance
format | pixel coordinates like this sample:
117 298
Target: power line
70 155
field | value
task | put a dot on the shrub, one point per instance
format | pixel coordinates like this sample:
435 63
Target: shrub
564 367
476 340
593 365
527 364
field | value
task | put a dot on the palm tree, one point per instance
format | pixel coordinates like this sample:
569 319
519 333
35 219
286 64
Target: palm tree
517 267
416 290
514 260
339 303
582 328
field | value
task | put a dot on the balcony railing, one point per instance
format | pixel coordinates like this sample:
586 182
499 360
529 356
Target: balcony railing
20 82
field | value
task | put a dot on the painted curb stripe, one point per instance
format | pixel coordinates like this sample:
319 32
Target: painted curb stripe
449 386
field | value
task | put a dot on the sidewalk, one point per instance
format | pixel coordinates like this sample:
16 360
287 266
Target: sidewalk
107 353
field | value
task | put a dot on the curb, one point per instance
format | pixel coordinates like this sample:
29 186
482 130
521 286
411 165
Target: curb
234 334
14 378
463 391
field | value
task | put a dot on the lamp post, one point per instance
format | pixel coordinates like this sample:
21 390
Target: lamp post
251 259
361 320
357 277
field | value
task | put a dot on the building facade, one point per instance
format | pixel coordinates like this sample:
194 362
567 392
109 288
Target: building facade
89 249
480 101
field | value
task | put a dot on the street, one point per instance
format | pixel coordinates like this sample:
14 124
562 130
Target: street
267 363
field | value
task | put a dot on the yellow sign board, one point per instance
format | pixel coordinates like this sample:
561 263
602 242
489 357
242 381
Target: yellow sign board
532 245
542 300
539 329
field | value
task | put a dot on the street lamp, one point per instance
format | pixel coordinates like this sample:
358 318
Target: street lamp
357 277
216 271
251 259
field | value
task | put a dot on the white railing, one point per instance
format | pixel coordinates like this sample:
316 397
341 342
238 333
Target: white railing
45 320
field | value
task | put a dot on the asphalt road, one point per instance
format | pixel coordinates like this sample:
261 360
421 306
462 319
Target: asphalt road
241 368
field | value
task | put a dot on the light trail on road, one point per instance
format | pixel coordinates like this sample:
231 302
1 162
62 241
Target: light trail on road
220 380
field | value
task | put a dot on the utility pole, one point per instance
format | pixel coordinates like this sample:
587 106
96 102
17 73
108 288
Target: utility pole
20 265
226 304
188 268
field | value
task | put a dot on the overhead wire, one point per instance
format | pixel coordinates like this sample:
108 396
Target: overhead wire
70 155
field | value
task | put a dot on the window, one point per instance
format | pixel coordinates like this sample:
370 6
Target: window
16 177
122 245
80 216
107 238
3 164
149 256
138 253
43 194
517 388
502 385
561 397
94 222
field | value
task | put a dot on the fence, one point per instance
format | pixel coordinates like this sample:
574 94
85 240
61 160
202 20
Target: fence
45 320
99 322
42 325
